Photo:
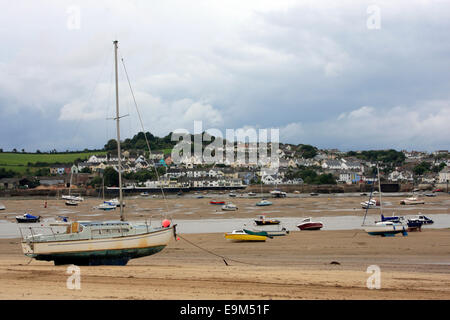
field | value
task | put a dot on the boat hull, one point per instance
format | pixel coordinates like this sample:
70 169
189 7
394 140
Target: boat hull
310 226
102 251
385 230
27 220
266 222
245 237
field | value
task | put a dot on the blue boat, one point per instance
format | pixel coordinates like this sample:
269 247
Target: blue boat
263 203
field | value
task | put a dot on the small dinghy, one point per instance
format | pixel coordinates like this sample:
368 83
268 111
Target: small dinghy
229 207
241 235
71 203
217 202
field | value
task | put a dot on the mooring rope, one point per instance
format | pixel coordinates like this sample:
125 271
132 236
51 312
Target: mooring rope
215 254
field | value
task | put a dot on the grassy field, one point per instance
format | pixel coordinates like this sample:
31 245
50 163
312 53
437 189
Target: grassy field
18 162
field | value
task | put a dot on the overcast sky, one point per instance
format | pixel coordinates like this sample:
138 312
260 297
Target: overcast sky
353 75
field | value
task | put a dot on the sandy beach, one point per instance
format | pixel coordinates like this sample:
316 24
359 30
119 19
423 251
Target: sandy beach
302 265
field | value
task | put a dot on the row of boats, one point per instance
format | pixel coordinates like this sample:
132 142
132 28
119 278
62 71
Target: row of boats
232 207
258 234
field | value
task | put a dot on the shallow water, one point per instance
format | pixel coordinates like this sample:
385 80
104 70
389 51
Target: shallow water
10 229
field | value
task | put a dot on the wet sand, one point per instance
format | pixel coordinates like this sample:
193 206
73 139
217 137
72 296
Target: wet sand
297 266
189 207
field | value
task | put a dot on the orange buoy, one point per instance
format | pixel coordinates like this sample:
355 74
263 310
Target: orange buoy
166 223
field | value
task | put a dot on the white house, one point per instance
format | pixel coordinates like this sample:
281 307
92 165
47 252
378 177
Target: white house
444 175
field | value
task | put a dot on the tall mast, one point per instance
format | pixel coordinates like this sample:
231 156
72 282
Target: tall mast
379 187
118 132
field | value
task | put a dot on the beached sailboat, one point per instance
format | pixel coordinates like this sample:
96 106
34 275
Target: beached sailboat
100 243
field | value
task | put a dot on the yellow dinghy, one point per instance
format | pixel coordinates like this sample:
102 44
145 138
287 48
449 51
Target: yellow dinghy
241 235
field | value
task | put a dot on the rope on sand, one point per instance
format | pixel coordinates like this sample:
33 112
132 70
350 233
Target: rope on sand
215 254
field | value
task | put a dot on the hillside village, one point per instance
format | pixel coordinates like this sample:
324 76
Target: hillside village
298 165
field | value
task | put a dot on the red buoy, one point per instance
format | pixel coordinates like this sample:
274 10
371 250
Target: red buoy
166 223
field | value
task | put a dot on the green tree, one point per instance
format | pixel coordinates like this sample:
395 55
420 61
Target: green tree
111 177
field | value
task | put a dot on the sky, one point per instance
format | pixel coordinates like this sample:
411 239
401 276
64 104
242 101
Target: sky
352 75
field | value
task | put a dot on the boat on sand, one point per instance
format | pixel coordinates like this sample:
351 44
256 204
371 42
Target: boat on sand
309 224
241 235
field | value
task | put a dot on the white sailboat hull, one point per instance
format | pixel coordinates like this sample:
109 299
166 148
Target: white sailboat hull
86 251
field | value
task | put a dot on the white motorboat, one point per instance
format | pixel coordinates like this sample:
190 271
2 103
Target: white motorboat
278 193
72 198
229 207
309 224
114 202
411 201
372 203
386 227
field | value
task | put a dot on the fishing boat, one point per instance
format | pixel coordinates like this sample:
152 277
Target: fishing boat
232 195
27 218
411 201
262 221
241 235
200 197
104 242
144 194
251 194
71 203
430 194
215 202
384 228
229 207
308 224
264 203
313 194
